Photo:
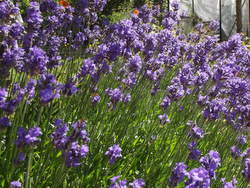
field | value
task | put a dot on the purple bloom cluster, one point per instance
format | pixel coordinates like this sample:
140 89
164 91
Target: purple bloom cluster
69 144
137 183
114 153
194 153
15 184
75 153
211 163
122 183
229 184
214 25
246 171
27 138
178 174
196 131
165 103
4 122
36 61
164 119
236 153
48 88
198 177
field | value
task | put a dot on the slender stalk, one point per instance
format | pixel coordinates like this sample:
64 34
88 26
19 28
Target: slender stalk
27 179
39 116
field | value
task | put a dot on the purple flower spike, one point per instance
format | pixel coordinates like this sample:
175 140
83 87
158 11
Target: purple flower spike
4 122
228 184
164 119
178 174
198 177
175 5
236 153
214 25
32 134
165 103
122 183
197 132
75 153
36 61
242 139
15 184
246 171
137 183
96 99
114 152
27 138
194 153
211 163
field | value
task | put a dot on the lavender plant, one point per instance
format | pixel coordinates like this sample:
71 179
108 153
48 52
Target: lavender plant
176 106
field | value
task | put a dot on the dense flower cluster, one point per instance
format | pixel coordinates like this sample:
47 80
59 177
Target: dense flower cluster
211 163
178 174
122 183
114 153
246 171
68 144
15 184
65 50
28 138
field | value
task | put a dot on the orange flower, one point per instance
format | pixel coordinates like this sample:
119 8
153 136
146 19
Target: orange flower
65 4
136 12
95 94
237 75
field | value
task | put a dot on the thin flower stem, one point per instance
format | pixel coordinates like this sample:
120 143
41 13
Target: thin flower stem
27 179
39 116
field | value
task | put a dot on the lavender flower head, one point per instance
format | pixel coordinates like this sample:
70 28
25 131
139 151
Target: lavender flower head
96 99
49 88
135 63
4 122
3 96
115 96
175 5
137 183
178 174
197 132
242 139
228 184
194 153
75 154
36 61
15 184
32 134
59 137
122 183
114 153
236 153
246 171
29 138
165 103
164 119
214 25
211 163
198 177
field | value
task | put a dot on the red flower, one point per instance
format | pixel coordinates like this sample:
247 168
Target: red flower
65 4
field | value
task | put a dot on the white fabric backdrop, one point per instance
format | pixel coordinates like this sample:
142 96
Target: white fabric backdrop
208 10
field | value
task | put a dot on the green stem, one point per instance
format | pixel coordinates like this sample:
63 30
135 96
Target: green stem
39 116
62 168
27 180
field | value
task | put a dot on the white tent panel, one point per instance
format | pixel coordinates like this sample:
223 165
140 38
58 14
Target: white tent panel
209 10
